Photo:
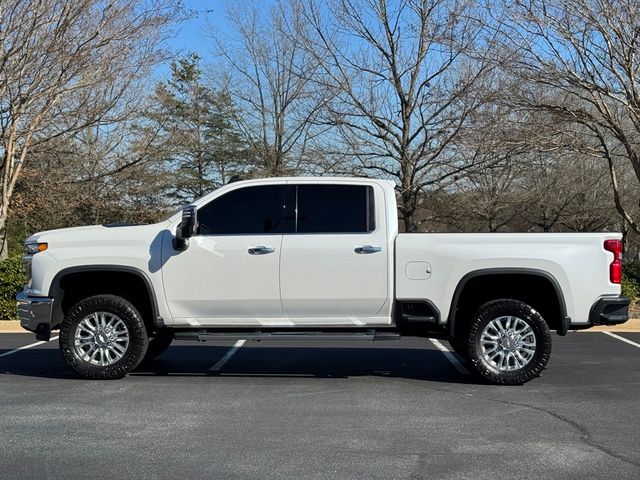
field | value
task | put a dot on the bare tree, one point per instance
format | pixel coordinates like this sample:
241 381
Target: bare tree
577 60
494 199
484 201
269 79
565 192
61 184
66 65
403 84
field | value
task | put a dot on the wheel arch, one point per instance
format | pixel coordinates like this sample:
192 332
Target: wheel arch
563 321
57 290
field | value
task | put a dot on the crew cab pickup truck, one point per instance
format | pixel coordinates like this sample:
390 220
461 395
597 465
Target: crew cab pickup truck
293 258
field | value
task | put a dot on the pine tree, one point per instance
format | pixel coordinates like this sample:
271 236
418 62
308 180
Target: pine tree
197 142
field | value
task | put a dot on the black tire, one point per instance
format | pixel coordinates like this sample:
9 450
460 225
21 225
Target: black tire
115 306
490 370
158 344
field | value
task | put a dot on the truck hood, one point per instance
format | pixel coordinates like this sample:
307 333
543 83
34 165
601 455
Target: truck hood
115 235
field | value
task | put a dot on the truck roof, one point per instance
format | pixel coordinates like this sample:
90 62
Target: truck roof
322 179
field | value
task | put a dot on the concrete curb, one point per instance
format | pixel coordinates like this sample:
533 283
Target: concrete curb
630 326
11 326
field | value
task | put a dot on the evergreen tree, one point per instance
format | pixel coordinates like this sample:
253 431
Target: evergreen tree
195 138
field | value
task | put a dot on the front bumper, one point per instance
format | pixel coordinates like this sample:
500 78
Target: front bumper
35 314
609 311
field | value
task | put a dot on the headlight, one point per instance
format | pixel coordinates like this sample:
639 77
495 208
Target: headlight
31 248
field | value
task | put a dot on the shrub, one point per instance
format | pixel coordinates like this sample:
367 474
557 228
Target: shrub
631 269
631 279
11 282
630 287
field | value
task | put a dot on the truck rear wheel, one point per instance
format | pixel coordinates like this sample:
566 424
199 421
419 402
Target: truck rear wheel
103 337
509 342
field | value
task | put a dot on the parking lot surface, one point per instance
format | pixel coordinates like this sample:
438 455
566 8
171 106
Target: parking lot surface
318 410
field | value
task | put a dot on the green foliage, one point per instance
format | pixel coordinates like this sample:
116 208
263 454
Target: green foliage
16 233
630 287
11 282
631 269
631 279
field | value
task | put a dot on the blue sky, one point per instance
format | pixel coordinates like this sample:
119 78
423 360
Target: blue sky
206 14
191 35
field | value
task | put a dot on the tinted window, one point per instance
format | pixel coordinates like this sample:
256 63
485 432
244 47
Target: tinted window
251 210
335 209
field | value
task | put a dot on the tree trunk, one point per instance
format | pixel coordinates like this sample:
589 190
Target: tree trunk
408 209
4 214
4 244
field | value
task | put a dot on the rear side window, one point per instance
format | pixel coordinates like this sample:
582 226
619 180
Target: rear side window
335 209
251 210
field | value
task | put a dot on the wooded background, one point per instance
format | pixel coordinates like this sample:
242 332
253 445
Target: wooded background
489 116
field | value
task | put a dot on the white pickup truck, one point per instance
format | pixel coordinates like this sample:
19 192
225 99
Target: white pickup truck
313 258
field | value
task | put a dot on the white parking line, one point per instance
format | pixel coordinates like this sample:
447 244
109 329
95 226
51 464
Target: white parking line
450 356
220 363
11 352
622 339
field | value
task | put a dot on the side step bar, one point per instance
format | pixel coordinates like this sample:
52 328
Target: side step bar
368 335
419 319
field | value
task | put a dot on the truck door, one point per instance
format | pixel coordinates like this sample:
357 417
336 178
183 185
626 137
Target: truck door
229 273
334 265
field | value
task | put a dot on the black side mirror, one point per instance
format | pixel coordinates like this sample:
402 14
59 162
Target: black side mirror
187 228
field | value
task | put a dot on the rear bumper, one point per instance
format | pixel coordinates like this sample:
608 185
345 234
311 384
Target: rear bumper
609 311
35 314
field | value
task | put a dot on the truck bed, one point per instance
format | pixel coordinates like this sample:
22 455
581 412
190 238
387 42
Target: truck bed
432 265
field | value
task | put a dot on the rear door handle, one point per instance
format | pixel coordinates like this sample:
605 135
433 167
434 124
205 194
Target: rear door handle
262 250
367 249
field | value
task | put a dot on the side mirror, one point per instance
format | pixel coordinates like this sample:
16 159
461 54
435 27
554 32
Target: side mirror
187 228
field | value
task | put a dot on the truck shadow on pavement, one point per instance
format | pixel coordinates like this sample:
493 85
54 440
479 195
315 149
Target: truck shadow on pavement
315 362
281 362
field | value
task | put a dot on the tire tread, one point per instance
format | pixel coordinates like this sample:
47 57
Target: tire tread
496 308
137 334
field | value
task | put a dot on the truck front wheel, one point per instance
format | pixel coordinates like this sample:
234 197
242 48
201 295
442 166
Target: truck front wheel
103 337
509 342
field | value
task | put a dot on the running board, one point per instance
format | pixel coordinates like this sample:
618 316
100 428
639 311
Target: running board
369 335
419 319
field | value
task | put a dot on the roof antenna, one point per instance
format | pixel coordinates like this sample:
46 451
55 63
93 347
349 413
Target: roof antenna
234 178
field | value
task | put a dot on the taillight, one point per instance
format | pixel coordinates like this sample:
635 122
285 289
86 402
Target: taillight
615 269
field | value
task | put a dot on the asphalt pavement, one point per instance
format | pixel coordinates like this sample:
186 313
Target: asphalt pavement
318 410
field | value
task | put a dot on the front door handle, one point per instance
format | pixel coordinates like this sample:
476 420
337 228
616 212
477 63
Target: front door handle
367 249
261 250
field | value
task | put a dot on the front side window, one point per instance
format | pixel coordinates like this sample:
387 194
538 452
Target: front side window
335 209
245 211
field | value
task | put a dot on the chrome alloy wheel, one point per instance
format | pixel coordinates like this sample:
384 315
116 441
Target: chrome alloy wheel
508 343
101 339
